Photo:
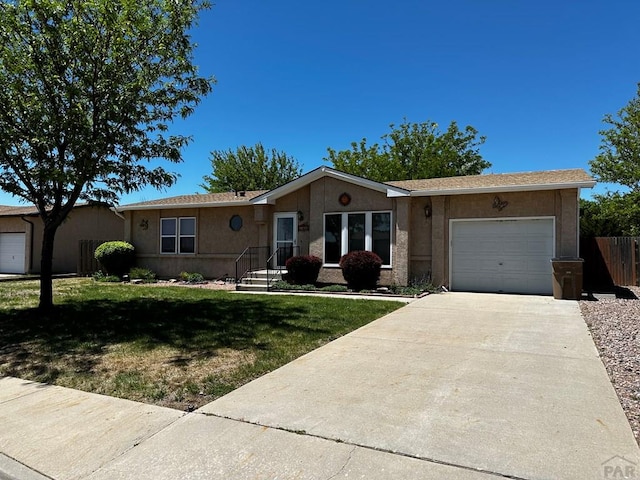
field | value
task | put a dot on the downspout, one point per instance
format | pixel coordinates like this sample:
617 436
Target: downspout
578 226
30 266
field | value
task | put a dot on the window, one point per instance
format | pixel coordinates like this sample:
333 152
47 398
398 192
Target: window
346 232
178 235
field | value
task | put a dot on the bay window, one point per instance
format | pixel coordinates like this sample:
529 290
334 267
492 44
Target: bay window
348 232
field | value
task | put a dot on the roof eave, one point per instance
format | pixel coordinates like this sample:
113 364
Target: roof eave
504 188
167 206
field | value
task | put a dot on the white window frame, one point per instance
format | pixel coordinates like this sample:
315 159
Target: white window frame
178 235
368 234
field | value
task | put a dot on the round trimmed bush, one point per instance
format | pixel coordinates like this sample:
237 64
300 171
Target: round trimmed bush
361 269
116 258
303 269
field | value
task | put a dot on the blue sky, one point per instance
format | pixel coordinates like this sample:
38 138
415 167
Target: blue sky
535 78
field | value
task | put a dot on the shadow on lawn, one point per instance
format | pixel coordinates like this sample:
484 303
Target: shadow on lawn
81 330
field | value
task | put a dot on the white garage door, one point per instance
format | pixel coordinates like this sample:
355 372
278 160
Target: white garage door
511 256
12 252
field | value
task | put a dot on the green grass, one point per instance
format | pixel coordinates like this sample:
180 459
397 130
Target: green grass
171 346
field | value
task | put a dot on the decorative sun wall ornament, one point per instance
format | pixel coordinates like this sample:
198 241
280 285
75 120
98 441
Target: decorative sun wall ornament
344 199
499 204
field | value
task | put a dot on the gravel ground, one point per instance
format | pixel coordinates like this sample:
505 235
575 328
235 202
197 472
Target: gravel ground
615 328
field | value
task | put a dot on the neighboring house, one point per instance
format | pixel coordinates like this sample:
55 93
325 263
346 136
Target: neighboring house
21 237
494 233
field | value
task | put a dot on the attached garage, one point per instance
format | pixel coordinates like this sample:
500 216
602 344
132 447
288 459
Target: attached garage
12 252
511 255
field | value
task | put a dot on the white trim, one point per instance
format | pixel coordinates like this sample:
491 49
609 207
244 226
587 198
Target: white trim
271 196
177 235
174 236
499 189
493 219
276 216
368 238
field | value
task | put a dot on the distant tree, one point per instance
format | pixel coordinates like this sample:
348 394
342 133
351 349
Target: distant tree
88 91
599 218
413 151
250 168
619 162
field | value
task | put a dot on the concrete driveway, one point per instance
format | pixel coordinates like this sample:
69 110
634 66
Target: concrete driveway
465 386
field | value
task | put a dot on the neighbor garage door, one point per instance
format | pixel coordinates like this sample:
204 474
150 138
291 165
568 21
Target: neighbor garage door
12 252
512 256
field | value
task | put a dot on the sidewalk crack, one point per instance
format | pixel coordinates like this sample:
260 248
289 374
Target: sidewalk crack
344 466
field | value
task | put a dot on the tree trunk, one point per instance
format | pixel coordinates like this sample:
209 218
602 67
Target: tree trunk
46 269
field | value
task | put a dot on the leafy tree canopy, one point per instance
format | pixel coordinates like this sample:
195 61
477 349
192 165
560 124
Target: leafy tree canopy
611 215
413 151
619 158
619 162
250 168
89 89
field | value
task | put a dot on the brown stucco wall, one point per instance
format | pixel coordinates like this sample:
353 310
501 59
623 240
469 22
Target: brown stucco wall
83 223
561 204
217 245
420 242
324 195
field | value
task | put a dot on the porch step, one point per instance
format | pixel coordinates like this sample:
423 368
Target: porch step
256 281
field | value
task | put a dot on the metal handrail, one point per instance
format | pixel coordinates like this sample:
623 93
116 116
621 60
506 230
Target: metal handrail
294 249
252 258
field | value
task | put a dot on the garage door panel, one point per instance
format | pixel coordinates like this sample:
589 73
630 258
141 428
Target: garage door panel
12 252
502 256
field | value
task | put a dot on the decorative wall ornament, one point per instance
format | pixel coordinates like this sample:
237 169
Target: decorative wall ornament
427 210
499 204
144 224
344 199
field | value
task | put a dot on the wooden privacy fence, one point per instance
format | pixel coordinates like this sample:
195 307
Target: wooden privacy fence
87 263
610 261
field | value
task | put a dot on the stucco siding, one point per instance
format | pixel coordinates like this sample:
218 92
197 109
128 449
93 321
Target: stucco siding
560 204
84 223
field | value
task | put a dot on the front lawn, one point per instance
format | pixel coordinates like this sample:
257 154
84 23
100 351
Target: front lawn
170 346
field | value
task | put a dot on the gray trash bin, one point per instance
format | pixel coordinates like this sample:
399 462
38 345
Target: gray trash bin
567 278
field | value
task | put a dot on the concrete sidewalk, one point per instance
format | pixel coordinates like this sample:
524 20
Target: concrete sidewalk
464 386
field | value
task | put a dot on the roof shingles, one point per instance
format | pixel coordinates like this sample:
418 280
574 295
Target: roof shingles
448 185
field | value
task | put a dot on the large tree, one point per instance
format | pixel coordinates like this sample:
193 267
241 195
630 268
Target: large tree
619 162
412 151
89 89
250 168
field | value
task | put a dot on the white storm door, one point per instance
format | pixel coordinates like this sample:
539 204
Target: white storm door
285 232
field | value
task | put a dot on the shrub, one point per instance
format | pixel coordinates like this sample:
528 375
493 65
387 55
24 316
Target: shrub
143 274
284 285
361 269
416 286
334 288
116 257
101 277
191 277
303 269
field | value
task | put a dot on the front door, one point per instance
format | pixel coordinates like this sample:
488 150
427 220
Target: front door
285 234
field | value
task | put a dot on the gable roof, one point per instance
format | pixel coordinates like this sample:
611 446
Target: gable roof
490 183
31 210
272 195
499 182
11 211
